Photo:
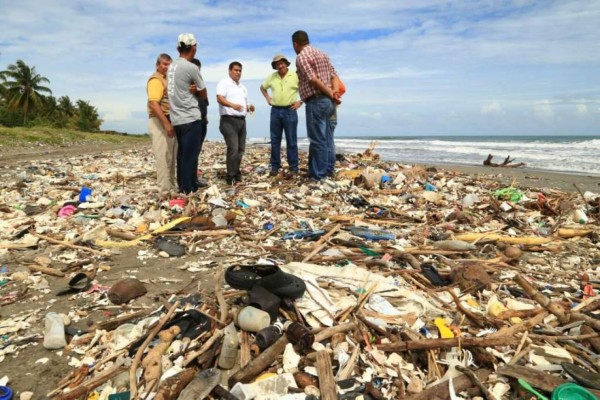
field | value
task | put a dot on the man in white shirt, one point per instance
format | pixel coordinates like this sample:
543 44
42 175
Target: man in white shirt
232 97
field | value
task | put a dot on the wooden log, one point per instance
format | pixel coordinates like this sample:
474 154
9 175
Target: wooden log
260 363
92 383
520 327
594 342
266 358
465 342
117 321
171 387
321 242
327 385
66 244
536 378
440 391
138 355
467 371
545 302
45 270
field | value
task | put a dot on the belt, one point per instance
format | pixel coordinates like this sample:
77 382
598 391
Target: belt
233 116
282 106
315 97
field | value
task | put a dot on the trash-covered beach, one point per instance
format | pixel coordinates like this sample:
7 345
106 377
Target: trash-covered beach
387 281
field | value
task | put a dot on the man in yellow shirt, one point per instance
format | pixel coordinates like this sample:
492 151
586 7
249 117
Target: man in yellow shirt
164 142
284 102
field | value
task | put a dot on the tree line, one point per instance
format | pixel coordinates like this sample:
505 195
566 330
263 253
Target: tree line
26 100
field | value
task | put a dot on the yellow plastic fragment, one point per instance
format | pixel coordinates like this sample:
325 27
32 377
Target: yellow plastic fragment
442 325
134 242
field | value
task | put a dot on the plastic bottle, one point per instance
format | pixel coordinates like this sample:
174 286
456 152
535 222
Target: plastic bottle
251 319
269 335
299 334
372 234
579 216
229 349
54 333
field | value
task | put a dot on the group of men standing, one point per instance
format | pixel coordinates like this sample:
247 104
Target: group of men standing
177 101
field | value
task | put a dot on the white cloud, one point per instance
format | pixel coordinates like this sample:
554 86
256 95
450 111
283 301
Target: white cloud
493 107
427 58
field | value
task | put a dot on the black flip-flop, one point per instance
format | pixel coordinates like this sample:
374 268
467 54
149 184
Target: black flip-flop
582 376
269 277
78 283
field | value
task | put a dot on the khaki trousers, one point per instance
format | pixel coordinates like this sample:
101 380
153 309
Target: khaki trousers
165 153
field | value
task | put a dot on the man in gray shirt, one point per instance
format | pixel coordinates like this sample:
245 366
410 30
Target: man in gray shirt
185 113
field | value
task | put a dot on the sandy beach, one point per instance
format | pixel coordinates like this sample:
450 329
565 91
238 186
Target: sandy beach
124 176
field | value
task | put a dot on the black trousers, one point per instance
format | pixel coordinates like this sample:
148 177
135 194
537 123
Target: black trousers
234 132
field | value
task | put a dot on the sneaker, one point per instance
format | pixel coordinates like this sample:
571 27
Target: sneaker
230 181
274 172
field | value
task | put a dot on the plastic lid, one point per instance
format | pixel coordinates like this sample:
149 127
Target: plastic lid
572 391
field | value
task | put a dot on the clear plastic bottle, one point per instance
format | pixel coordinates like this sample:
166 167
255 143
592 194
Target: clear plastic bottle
54 333
229 348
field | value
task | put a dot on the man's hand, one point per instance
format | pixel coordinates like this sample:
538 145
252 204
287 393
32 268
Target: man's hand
296 105
170 130
193 88
251 108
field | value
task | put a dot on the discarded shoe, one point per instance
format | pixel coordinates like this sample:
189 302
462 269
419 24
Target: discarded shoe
78 283
429 271
581 375
125 290
191 323
171 248
269 277
264 300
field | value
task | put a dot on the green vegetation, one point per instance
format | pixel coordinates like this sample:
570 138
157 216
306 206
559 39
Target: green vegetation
25 101
23 136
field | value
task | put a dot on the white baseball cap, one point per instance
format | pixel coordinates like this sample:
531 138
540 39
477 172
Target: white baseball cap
187 39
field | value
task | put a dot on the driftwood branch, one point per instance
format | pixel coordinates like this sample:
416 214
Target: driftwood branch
465 342
488 162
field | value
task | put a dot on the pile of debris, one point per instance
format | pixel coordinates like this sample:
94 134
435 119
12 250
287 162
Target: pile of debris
388 281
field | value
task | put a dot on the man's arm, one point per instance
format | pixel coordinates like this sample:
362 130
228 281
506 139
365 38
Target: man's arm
225 103
265 94
155 107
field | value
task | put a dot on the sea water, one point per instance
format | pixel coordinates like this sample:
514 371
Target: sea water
572 154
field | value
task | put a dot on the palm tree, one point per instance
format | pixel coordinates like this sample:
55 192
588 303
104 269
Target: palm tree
23 87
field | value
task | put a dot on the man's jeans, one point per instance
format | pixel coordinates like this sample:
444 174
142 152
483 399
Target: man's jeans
284 119
188 140
234 133
320 136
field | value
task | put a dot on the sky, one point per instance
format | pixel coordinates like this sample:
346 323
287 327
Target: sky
411 67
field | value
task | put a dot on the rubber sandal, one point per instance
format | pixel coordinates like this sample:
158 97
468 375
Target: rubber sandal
432 275
582 376
78 283
171 248
269 277
191 324
264 300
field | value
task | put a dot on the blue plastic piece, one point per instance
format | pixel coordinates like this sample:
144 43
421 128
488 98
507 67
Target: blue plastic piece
371 234
429 187
5 393
303 234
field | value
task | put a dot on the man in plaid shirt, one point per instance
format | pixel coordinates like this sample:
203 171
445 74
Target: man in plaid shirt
319 91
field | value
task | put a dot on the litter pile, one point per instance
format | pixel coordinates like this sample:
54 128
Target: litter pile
385 282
